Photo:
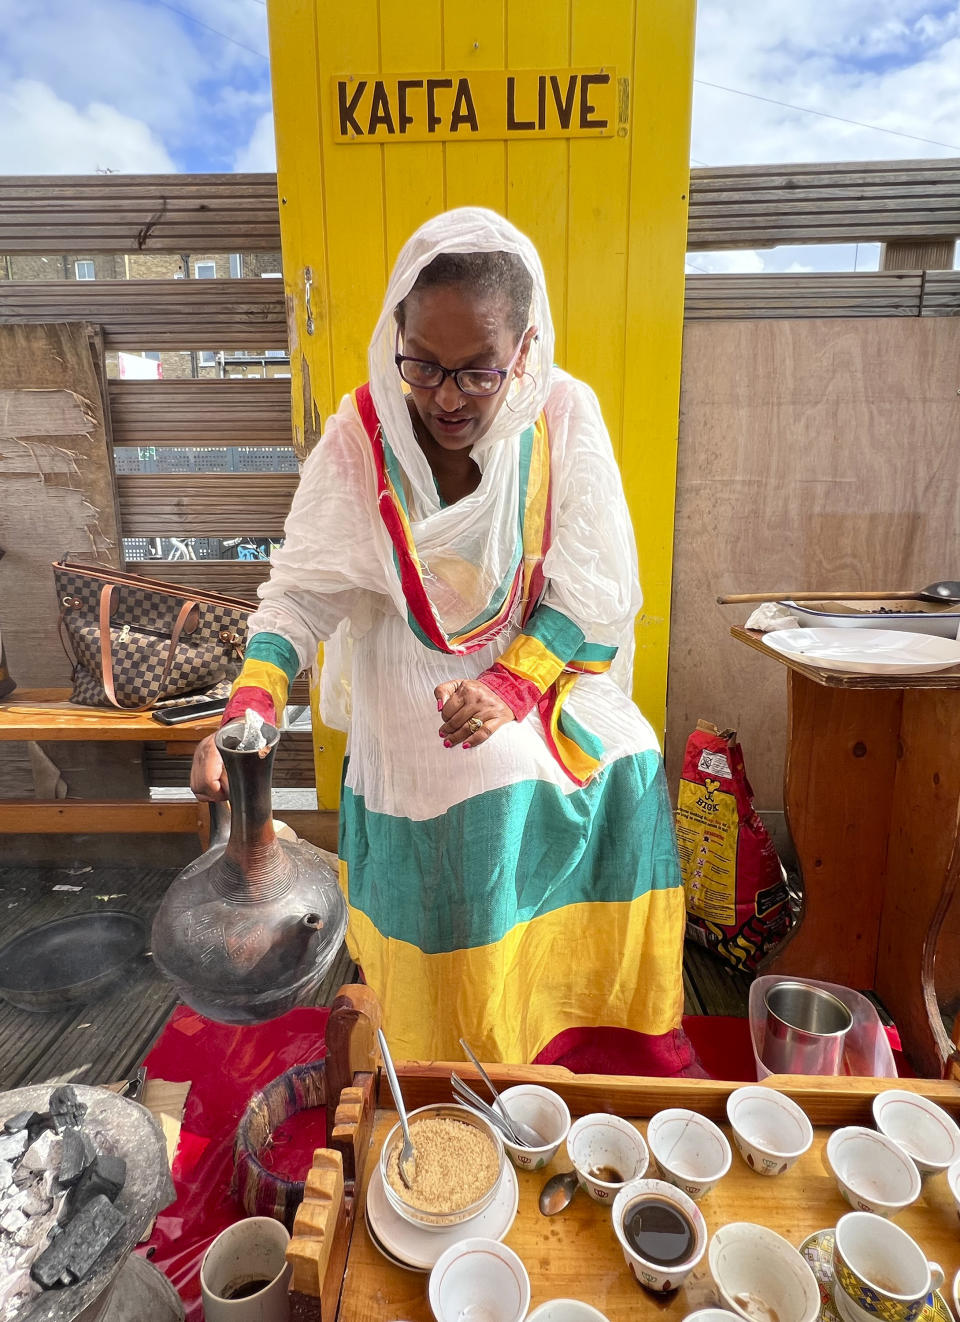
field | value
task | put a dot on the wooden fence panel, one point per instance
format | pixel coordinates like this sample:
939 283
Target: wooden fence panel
760 206
139 213
237 578
157 314
201 412
204 504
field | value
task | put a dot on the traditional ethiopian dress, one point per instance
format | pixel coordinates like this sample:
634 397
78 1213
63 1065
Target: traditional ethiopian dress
530 885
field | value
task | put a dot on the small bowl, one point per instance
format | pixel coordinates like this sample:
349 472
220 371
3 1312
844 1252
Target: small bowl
658 1276
565 1310
928 1136
689 1150
873 1172
417 1216
599 1142
542 1110
770 1130
748 1260
479 1278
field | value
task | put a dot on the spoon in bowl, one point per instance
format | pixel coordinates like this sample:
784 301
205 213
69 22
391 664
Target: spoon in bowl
528 1138
407 1162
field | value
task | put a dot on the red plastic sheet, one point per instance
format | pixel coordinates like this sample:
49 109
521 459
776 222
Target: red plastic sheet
226 1066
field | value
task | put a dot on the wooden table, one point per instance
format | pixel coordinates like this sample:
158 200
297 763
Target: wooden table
46 715
872 799
340 1277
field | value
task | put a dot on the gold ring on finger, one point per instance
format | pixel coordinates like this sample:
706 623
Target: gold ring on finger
474 724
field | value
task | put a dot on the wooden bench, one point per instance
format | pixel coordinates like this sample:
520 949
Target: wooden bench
46 715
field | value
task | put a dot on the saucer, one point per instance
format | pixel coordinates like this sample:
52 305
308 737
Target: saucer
420 1249
818 1251
375 1241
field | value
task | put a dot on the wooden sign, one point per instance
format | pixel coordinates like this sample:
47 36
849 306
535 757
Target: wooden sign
483 104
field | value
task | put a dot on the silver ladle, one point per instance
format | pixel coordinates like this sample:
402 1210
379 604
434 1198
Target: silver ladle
407 1162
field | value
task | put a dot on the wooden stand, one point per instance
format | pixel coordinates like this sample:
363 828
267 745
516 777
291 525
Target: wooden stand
872 796
46 715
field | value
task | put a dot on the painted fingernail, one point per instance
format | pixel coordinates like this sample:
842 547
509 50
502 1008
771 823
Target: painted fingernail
468 745
447 743
439 705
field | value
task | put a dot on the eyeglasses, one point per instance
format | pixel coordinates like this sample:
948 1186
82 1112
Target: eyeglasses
469 380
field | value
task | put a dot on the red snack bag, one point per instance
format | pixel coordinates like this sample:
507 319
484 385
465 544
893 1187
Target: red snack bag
736 890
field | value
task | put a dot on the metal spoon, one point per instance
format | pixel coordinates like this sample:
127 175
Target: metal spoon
408 1153
558 1192
528 1137
466 1095
945 590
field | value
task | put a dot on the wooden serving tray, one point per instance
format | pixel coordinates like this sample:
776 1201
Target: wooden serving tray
338 1275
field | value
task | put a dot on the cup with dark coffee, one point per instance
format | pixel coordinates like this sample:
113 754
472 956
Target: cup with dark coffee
661 1231
244 1276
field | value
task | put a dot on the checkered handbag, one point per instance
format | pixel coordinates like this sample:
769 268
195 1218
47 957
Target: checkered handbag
136 643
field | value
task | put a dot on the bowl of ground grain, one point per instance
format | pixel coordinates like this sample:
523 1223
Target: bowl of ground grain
460 1162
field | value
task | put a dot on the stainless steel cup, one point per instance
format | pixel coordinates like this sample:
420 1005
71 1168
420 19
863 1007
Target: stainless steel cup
804 1030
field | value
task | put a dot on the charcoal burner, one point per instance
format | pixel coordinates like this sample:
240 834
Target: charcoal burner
131 1133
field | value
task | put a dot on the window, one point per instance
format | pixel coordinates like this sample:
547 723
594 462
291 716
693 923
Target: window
205 270
84 270
152 354
236 265
206 358
276 353
271 275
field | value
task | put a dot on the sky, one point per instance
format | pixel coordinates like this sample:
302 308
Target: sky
148 86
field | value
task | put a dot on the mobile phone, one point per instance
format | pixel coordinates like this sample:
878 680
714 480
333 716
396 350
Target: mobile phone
193 711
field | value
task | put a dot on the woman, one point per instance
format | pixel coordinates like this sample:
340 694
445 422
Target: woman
460 537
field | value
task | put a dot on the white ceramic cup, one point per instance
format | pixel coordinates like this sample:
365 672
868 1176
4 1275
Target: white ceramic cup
873 1172
689 1150
953 1179
879 1271
929 1136
769 1129
658 1276
761 1277
600 1143
251 1250
712 1315
544 1111
479 1279
565 1310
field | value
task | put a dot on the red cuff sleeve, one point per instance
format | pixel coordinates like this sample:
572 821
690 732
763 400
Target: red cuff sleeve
520 695
259 699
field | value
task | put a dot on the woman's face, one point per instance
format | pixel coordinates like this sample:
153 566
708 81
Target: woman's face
448 325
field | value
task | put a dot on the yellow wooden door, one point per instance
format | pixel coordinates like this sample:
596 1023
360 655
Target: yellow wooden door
606 206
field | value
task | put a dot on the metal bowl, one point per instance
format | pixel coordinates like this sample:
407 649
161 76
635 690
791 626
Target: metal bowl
417 1216
69 961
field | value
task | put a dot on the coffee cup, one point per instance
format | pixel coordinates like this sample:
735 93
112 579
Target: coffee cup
879 1272
244 1276
661 1232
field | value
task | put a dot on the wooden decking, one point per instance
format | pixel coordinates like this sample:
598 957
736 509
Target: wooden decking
107 1039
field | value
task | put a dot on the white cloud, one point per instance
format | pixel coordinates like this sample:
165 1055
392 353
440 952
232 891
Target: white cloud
260 153
46 135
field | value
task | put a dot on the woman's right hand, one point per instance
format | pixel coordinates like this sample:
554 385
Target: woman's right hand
208 776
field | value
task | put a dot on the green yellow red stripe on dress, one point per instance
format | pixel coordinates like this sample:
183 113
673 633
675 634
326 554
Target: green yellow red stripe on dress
270 664
533 517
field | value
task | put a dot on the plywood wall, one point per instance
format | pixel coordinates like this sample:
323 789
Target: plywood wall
56 484
813 454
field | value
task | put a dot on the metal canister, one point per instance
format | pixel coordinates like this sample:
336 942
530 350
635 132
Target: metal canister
804 1030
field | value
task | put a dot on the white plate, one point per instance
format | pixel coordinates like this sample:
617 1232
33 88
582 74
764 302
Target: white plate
421 1248
866 651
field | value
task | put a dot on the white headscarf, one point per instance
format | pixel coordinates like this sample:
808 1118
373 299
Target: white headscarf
480 530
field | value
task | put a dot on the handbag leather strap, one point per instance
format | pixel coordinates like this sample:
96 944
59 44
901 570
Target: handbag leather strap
106 655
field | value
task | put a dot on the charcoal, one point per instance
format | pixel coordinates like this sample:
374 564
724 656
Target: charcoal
89 1148
13 1146
44 1153
12 1220
39 1123
104 1177
66 1108
6 1175
22 1120
69 1258
73 1158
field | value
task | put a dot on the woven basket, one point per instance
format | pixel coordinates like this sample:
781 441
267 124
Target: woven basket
264 1192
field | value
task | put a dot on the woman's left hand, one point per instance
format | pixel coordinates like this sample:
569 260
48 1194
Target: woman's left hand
464 702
